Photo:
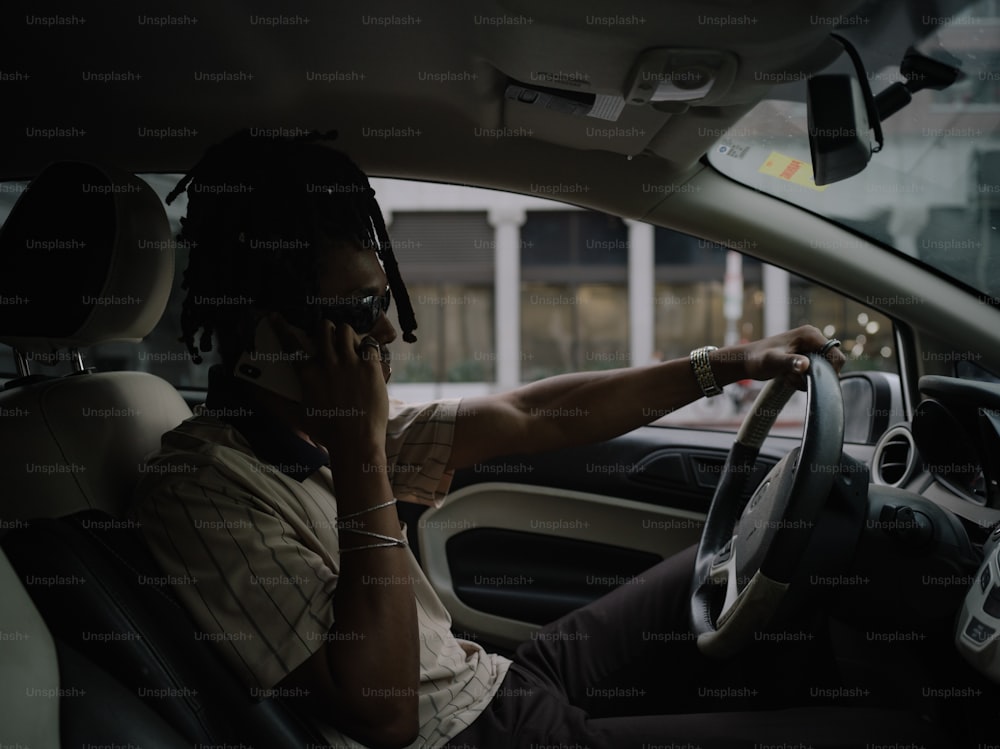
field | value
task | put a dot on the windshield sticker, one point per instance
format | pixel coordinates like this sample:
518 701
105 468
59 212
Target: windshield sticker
791 170
733 151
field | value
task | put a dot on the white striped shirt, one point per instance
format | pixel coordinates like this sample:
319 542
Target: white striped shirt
254 555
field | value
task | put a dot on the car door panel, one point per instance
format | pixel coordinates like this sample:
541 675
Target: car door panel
535 577
676 468
610 526
524 539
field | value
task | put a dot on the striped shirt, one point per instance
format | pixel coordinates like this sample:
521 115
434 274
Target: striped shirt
252 550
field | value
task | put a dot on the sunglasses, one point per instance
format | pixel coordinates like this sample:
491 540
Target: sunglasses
361 314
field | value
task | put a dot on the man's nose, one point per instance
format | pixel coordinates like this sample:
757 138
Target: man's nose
383 332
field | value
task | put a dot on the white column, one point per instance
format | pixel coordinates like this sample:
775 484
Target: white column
775 285
507 294
641 292
732 297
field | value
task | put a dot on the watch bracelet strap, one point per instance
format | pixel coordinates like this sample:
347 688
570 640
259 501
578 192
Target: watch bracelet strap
703 371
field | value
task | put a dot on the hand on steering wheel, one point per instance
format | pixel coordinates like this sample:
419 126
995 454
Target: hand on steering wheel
748 555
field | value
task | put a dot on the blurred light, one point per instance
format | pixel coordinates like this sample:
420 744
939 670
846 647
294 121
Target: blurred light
829 330
886 352
862 318
872 327
862 339
857 350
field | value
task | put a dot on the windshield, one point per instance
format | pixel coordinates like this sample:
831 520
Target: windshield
933 192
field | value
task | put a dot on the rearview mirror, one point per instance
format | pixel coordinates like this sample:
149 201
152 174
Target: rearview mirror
839 132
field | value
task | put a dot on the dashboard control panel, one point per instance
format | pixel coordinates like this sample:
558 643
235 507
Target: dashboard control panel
977 635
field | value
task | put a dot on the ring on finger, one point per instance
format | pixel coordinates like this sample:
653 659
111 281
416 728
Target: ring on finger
373 343
832 343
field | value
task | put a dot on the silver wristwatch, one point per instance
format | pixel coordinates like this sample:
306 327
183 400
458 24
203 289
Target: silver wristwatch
703 371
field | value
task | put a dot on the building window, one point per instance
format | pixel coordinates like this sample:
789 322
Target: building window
574 293
690 295
447 261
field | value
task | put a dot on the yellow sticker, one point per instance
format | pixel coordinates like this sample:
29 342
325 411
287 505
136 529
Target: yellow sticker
791 170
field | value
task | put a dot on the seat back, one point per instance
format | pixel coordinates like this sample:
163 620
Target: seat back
78 442
102 593
28 668
52 696
97 710
84 261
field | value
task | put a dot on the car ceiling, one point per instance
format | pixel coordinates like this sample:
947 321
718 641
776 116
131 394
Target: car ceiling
41 79
558 44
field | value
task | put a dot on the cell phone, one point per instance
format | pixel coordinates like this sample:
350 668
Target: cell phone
269 366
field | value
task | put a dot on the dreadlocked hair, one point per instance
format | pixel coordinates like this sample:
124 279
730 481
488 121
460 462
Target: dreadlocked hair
258 211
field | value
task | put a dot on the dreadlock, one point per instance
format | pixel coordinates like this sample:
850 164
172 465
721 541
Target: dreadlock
258 210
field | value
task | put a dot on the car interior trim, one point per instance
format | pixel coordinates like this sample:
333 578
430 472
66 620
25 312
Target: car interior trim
542 509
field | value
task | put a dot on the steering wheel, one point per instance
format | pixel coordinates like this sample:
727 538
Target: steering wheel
748 555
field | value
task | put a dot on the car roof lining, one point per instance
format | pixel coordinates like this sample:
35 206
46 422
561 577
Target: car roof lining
451 39
554 162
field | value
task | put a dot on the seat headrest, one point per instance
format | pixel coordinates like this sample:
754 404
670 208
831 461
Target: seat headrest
85 257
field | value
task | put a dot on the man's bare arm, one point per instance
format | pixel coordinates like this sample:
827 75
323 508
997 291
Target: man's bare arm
586 407
364 679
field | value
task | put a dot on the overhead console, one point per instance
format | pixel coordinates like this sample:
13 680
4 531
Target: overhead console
662 79
672 79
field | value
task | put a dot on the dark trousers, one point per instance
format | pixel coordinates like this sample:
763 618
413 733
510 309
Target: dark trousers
624 672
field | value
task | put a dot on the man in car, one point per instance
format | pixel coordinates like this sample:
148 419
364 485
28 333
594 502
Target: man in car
279 518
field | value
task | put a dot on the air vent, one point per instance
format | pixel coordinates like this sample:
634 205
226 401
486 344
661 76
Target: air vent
895 456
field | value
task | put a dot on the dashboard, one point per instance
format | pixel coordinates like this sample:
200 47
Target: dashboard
956 428
949 453
977 631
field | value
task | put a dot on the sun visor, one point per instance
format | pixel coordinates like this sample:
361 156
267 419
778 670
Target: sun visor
579 118
572 110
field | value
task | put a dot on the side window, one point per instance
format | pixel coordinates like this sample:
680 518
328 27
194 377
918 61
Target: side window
706 293
509 289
